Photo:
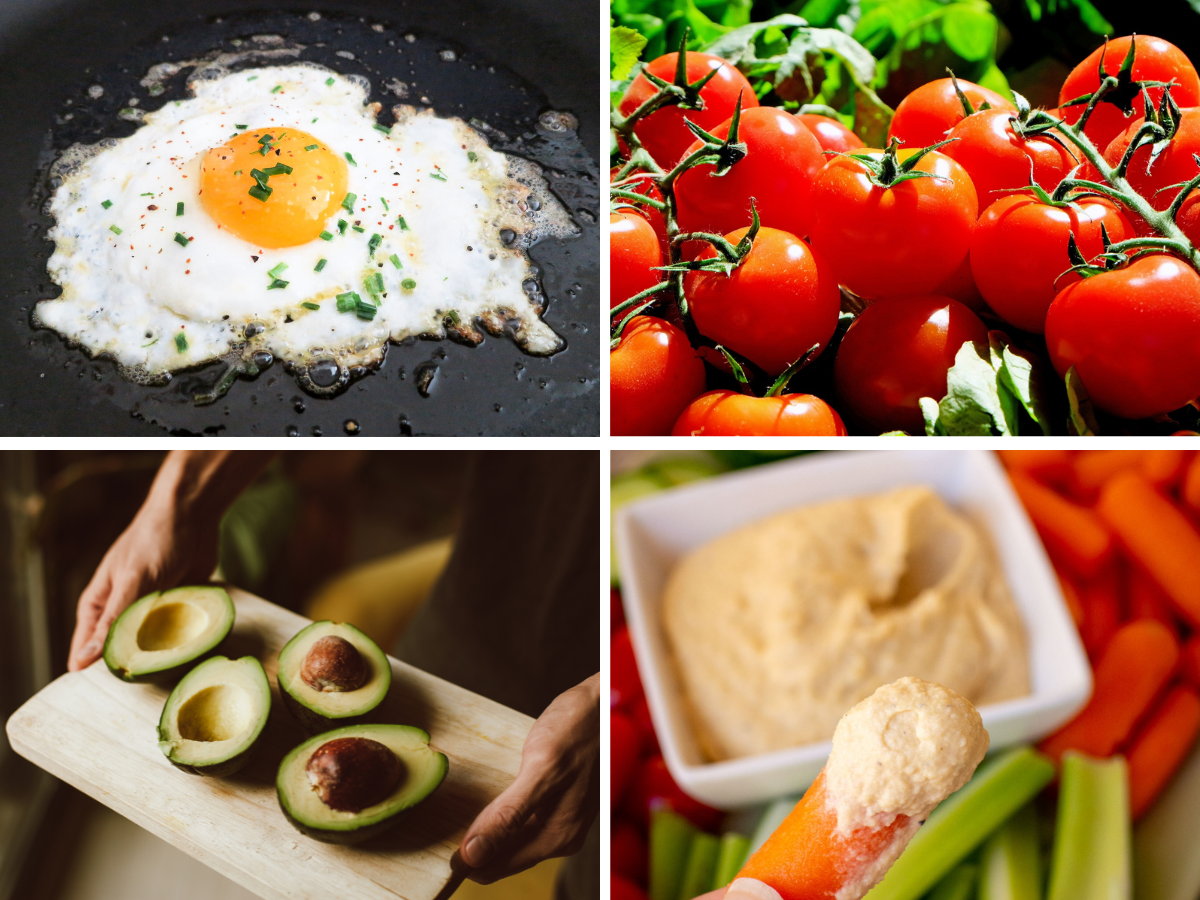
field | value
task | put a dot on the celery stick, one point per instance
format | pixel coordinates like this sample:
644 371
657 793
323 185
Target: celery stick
958 885
1091 858
701 863
670 841
1166 865
772 818
1001 786
1011 868
735 850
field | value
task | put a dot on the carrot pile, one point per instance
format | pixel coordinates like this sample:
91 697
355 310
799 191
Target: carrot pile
1122 528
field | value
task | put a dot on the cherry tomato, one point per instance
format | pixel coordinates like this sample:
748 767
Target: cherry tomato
831 134
1019 251
663 133
727 413
782 159
633 249
773 307
625 682
996 157
898 240
1174 165
627 851
925 115
643 183
1188 219
616 611
653 374
1154 60
625 747
1132 335
656 788
897 351
623 889
640 713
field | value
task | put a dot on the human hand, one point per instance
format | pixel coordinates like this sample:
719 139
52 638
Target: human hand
548 809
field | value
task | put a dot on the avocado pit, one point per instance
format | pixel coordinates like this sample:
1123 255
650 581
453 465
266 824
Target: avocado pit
334 664
351 773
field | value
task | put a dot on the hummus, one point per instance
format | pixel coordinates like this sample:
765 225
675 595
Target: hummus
778 627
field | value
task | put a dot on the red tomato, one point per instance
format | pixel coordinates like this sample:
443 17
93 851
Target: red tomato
627 852
925 115
653 375
996 157
960 285
897 351
782 159
625 750
626 683
616 611
640 714
1154 60
1174 165
655 788
1132 336
1188 219
726 413
898 240
624 889
773 307
1019 251
633 249
643 183
663 133
831 134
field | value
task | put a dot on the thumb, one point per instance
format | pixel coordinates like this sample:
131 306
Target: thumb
499 822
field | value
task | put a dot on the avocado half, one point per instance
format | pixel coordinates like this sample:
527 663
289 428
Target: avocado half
212 721
162 635
422 768
321 710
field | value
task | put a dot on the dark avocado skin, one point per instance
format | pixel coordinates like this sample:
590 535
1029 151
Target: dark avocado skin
327 836
220 770
164 676
314 722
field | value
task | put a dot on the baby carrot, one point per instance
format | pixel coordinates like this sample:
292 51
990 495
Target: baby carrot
1191 484
1163 468
1074 598
1047 466
1158 536
1160 747
1073 533
1095 467
1147 601
1137 664
1190 661
1101 615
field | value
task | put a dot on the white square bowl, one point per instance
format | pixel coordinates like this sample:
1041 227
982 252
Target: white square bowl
654 532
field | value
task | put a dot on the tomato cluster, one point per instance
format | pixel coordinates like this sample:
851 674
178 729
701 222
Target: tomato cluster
969 219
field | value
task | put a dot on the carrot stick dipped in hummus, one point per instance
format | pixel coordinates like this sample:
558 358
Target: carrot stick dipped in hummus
896 755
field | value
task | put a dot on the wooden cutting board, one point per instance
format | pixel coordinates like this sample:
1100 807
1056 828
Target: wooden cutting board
98 733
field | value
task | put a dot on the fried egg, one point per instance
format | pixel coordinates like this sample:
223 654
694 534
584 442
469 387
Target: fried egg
271 211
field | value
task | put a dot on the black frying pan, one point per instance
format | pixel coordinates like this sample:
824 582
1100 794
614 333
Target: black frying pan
530 56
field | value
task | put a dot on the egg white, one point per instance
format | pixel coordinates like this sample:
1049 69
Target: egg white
130 295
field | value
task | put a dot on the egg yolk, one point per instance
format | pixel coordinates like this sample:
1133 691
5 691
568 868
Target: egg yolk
246 187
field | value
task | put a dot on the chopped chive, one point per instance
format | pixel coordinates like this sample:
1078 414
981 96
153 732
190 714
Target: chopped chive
308 304
312 147
277 283
472 156
114 229
348 201
374 283
400 221
106 203
151 344
325 236
320 264
147 194
181 240
252 78
314 118
438 175
241 126
277 270
454 317
179 208
237 171
382 128
348 301
277 89
350 159
384 202
342 223
395 261
408 284
181 343
328 81
359 229
277 169
373 244
365 311
266 138
260 192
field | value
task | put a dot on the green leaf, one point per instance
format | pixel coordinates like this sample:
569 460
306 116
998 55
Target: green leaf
931 412
1082 416
1095 21
738 44
856 57
626 47
1020 374
993 79
972 405
1035 10
969 31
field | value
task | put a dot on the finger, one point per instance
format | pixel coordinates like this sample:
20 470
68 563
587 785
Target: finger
718 894
751 889
122 594
502 819
91 604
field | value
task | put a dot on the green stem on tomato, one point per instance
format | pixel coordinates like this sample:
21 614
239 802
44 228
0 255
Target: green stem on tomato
1091 859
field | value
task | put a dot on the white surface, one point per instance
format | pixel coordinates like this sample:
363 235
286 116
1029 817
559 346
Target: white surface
654 532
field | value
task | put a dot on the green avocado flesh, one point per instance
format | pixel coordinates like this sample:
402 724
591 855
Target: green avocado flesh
423 770
321 710
212 721
163 634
